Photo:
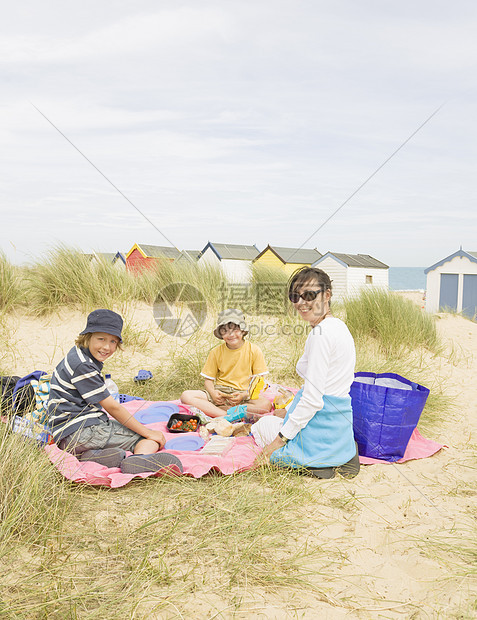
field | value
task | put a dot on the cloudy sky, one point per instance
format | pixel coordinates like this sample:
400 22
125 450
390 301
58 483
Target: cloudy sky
240 121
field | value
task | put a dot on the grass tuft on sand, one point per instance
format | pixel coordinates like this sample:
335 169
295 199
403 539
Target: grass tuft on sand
11 289
34 499
394 322
153 549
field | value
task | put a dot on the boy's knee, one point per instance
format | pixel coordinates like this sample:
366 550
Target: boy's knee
186 396
264 404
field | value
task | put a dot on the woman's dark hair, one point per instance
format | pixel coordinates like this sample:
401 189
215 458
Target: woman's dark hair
305 274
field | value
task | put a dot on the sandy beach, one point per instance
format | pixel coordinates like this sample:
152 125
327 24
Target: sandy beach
391 541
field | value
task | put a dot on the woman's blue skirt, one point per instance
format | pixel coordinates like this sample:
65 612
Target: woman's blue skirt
326 441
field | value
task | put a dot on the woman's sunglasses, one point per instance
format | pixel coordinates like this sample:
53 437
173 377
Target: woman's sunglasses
294 297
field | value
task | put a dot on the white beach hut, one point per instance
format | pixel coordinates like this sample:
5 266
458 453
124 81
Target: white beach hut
351 273
118 259
235 260
452 284
188 257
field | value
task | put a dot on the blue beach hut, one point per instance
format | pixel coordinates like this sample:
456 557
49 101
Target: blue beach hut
452 284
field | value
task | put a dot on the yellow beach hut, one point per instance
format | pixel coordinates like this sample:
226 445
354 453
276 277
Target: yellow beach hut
287 259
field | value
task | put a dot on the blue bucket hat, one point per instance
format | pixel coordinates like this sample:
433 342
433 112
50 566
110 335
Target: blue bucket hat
105 321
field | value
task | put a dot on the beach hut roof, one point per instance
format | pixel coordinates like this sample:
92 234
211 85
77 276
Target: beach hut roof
356 260
156 251
231 251
119 256
106 256
190 254
472 256
304 256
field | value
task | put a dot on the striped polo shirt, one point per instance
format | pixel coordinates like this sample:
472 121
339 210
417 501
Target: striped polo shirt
77 387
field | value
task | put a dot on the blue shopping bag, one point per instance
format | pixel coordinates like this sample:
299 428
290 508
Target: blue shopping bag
386 410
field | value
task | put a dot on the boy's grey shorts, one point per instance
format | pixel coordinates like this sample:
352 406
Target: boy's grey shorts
110 434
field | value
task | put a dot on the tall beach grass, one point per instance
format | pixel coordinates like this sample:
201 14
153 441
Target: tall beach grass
174 548
69 278
394 323
12 292
269 291
33 496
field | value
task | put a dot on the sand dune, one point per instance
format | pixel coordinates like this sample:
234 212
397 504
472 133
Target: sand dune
396 529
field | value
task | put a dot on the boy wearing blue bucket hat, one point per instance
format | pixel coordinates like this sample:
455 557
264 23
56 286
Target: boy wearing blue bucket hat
79 398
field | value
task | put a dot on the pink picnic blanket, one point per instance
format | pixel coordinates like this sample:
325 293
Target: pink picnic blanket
418 448
240 458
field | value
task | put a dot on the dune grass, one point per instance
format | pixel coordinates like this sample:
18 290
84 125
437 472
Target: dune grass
69 278
32 494
395 323
268 291
179 372
12 292
173 546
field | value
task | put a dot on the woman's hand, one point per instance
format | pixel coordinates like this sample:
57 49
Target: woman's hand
264 457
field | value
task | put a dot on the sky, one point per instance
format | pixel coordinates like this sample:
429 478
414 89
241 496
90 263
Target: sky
239 121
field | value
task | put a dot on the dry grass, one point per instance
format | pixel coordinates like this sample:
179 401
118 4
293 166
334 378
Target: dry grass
396 324
164 545
12 294
34 499
266 543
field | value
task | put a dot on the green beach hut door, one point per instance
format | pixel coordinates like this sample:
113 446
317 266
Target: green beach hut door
469 298
448 292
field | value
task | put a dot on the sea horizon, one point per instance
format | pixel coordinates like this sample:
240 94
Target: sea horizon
407 279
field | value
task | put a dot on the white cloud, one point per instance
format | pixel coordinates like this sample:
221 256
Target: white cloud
134 35
270 112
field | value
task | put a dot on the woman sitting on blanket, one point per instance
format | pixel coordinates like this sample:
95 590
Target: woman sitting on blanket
317 432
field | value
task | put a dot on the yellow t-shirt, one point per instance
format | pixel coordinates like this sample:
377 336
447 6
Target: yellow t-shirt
234 367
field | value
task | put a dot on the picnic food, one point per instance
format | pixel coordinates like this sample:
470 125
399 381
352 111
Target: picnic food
184 425
221 427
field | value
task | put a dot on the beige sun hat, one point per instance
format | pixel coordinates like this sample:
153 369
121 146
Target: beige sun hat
232 315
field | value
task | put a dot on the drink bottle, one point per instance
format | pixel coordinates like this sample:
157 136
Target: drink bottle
112 387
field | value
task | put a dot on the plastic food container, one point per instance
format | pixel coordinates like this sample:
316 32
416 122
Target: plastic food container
184 418
218 446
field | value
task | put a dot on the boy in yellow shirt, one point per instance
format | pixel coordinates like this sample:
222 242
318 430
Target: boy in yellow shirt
232 372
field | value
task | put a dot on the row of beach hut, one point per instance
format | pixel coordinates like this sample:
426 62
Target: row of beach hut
349 272
451 282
